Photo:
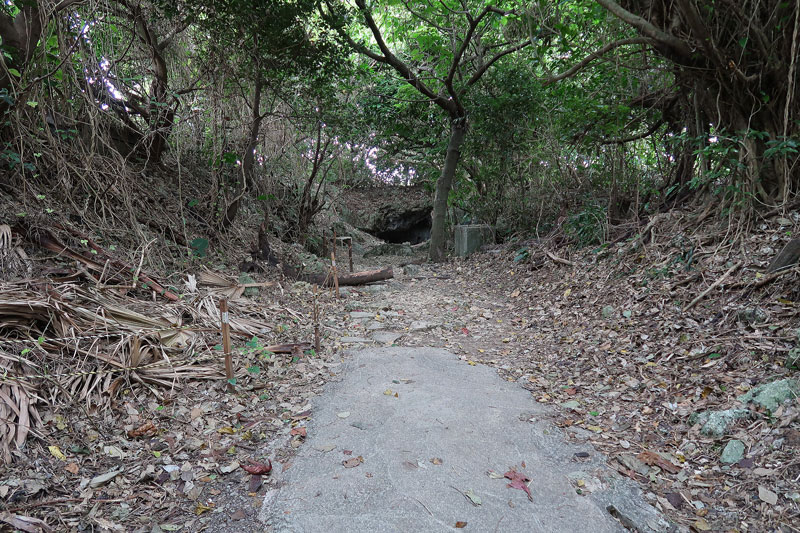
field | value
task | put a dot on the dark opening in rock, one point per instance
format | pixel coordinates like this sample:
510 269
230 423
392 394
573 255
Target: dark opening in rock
414 233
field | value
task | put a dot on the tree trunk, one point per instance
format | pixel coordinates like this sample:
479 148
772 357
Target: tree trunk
458 130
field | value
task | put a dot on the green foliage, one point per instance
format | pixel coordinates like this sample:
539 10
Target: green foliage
587 226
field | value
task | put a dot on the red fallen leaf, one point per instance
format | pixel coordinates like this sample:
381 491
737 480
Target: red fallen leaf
299 431
145 430
461 525
571 391
258 469
347 452
519 481
654 459
465 331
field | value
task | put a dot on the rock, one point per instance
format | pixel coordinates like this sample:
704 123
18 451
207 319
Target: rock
248 291
793 359
717 423
632 463
361 315
752 315
411 270
608 311
390 248
420 325
386 337
374 325
771 395
354 340
733 452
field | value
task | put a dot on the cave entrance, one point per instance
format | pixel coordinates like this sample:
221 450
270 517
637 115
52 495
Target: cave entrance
414 231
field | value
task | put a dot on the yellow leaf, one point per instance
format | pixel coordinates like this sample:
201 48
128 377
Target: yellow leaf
784 301
581 483
200 509
388 392
481 350
596 429
471 363
567 293
227 430
701 525
56 452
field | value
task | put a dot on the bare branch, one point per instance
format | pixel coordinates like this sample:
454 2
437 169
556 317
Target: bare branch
595 55
622 140
481 71
647 28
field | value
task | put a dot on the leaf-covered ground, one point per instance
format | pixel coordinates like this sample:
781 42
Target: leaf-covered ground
605 340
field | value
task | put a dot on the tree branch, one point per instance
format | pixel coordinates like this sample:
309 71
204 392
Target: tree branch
595 55
481 71
647 28
622 140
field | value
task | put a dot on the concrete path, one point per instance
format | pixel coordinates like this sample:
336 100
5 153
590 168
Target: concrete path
403 411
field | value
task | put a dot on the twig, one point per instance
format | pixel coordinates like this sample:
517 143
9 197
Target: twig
713 286
557 259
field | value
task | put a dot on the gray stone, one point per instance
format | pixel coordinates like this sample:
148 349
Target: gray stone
360 315
390 248
771 395
733 452
469 239
752 315
386 337
374 325
248 291
420 325
793 359
354 340
468 416
411 270
717 423
608 311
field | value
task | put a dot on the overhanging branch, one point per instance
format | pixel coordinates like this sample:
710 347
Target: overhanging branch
595 55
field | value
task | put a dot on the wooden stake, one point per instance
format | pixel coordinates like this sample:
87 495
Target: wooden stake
324 243
335 273
316 320
350 252
226 343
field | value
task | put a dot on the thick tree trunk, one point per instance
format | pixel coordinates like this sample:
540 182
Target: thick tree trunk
458 130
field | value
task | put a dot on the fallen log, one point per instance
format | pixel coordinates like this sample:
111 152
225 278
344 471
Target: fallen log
356 278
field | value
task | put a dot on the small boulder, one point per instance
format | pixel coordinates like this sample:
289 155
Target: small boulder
608 311
733 452
717 423
771 395
390 248
248 291
411 270
752 315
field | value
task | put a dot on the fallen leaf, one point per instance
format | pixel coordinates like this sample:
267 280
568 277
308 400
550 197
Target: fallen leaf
258 469
227 469
353 462
72 468
473 498
519 481
148 429
298 431
461 525
227 430
701 525
766 495
55 451
654 459
255 482
436 460
202 508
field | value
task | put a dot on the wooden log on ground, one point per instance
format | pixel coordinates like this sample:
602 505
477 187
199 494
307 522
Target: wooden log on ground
356 278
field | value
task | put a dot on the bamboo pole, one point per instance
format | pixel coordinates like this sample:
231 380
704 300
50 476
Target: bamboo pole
226 343
335 273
